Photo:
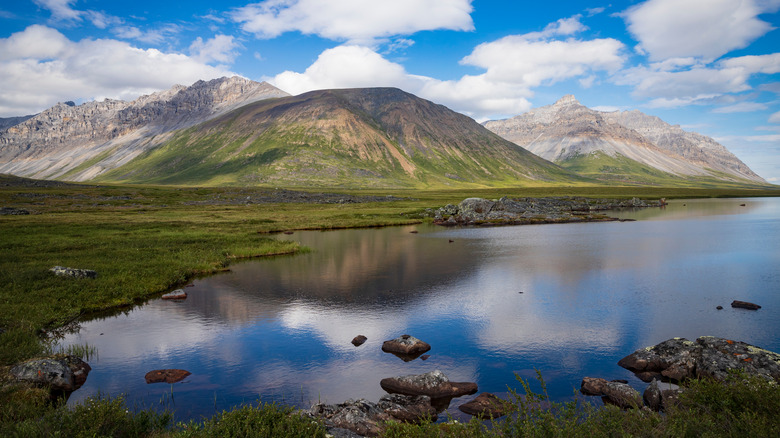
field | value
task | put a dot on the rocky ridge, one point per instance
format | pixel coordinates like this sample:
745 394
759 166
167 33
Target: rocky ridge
59 139
567 130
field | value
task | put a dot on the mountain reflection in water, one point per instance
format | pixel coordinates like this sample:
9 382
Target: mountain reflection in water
567 299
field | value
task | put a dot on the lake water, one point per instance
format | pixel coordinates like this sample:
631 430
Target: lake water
567 299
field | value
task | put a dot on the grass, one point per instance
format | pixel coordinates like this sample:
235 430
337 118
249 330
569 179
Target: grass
145 240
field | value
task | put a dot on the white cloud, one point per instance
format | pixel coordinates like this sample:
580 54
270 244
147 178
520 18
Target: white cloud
775 118
513 65
353 20
742 107
41 67
698 83
221 48
60 9
706 29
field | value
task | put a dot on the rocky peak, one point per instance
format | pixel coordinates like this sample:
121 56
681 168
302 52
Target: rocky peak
567 100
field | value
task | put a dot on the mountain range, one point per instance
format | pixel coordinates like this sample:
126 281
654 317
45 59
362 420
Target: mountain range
621 146
233 131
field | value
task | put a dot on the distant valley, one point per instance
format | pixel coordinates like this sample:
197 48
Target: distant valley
233 131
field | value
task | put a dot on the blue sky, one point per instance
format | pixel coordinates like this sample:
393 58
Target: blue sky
711 66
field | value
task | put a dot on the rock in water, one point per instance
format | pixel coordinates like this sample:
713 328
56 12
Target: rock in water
359 340
66 373
178 294
708 357
434 384
744 305
167 376
615 393
406 347
486 405
73 272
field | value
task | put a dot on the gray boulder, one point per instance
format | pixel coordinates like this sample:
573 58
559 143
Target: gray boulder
406 347
369 419
60 373
614 393
62 271
661 395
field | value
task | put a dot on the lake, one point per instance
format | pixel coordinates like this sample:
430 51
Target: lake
567 299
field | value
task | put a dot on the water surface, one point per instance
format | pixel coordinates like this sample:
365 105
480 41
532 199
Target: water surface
567 299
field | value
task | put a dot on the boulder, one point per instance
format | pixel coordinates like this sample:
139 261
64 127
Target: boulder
744 305
61 271
167 376
178 294
593 386
674 358
621 395
406 347
60 373
434 384
369 419
661 395
486 405
359 340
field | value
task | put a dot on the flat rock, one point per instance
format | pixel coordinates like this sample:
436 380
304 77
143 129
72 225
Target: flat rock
365 418
744 305
406 347
486 405
61 373
62 271
167 376
434 384
178 294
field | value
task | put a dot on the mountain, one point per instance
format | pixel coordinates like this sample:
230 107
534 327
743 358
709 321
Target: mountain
67 141
374 137
7 122
623 147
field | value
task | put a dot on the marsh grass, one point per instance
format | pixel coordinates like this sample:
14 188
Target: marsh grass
84 351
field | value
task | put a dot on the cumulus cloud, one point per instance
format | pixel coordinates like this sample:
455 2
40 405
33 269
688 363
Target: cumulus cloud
353 20
41 67
699 83
697 28
221 48
514 66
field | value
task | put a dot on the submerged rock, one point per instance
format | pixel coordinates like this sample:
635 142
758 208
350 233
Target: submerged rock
486 405
62 271
434 384
369 419
167 376
61 373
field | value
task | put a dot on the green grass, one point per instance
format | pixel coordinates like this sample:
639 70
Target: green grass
145 240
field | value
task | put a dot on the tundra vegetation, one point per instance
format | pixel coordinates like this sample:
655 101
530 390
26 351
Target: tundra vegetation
145 240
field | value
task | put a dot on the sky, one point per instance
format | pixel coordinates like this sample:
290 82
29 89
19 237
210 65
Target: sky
711 66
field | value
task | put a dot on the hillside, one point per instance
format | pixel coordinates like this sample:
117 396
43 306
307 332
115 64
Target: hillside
68 141
623 147
375 137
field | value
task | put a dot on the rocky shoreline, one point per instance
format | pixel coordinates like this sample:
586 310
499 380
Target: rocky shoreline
524 211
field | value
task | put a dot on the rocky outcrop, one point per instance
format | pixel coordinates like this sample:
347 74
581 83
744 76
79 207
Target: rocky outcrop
434 384
369 419
61 138
166 376
679 359
568 130
62 271
60 373
520 211
486 405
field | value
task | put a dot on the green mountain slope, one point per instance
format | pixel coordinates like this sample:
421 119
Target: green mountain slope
377 137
